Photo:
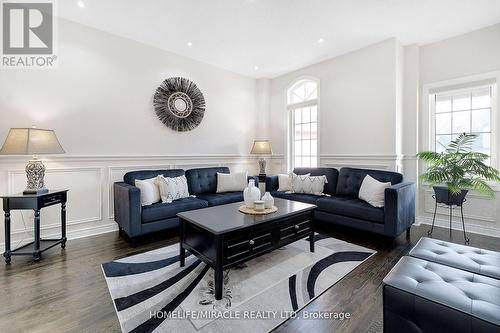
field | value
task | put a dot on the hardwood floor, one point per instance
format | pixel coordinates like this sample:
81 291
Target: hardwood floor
66 290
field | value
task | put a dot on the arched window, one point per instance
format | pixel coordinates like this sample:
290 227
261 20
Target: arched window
303 139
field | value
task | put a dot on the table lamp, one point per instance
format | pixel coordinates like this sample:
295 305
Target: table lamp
32 141
261 147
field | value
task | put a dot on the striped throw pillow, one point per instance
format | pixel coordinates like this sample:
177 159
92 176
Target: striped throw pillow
308 184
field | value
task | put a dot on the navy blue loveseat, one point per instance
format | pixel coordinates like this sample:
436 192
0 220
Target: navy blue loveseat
135 220
341 206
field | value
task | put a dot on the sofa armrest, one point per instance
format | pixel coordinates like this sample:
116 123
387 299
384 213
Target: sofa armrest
399 209
127 208
272 183
256 178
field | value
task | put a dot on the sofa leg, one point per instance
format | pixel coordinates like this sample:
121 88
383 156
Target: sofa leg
408 233
132 242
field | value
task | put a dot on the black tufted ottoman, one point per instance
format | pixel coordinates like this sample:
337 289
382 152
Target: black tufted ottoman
468 258
423 296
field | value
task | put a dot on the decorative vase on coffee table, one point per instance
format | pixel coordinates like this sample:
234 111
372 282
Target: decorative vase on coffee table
268 200
251 194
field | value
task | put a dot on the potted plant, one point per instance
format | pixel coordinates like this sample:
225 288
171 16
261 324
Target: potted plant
460 169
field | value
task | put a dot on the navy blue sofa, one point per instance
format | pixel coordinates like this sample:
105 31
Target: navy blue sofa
135 220
342 206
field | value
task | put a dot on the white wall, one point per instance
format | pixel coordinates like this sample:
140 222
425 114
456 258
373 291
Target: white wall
471 54
99 99
358 106
263 108
99 102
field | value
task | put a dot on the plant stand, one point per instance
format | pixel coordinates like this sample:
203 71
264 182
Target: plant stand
451 208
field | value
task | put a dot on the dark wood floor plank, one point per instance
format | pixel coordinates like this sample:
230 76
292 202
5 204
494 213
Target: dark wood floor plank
66 290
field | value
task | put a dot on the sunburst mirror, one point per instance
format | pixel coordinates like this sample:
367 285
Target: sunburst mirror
179 104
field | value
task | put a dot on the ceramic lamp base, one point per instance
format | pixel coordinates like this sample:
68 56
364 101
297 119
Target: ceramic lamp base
262 166
35 173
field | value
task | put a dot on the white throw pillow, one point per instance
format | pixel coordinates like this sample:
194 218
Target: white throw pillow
150 193
172 188
231 182
308 184
373 191
285 182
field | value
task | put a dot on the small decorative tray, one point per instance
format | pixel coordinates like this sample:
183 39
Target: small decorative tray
244 209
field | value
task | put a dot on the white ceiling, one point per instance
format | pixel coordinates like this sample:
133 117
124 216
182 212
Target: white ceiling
279 36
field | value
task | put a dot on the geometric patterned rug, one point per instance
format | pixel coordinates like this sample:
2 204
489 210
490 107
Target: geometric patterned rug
151 293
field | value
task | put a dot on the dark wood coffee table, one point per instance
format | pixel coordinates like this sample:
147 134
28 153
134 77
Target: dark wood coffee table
223 237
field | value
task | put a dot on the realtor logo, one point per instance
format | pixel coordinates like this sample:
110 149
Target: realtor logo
27 34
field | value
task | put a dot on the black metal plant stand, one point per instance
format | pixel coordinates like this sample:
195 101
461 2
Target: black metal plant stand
451 208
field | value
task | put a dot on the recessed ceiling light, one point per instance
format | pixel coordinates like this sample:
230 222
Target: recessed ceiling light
189 44
81 4
256 68
321 40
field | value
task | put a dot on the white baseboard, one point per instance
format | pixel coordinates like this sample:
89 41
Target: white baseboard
70 234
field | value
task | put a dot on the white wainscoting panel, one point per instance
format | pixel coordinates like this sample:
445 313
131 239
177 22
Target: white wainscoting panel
470 226
481 214
477 207
84 197
90 182
379 162
368 161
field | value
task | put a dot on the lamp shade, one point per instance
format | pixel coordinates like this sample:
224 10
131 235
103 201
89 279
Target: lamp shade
261 147
31 141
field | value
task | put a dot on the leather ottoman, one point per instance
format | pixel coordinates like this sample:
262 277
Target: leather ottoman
468 258
423 296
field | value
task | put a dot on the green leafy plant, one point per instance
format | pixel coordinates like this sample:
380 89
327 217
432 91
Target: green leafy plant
459 167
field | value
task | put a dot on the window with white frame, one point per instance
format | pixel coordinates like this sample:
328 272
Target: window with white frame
465 110
302 105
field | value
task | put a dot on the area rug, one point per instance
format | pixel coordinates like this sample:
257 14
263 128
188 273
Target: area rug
151 293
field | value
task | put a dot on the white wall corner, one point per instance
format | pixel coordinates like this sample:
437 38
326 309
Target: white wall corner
410 117
263 111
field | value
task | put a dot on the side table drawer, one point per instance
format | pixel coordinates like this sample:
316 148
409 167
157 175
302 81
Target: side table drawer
51 199
241 247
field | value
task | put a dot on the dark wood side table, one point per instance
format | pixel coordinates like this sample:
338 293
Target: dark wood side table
35 202
262 178
262 183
